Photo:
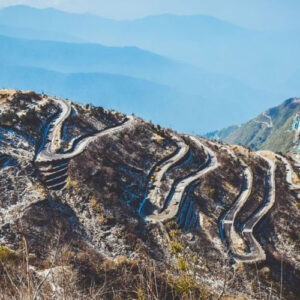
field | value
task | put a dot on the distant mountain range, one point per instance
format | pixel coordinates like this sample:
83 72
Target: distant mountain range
273 130
193 73
147 99
193 96
264 60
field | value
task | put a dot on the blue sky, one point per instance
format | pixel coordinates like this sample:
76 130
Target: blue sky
258 14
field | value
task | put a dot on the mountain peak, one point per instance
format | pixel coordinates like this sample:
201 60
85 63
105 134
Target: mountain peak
274 129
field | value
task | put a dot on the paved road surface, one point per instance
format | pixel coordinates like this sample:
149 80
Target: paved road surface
173 206
228 222
268 124
289 172
47 154
256 251
153 195
55 134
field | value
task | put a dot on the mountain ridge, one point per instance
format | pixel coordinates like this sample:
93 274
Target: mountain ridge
225 94
108 197
109 90
202 47
272 130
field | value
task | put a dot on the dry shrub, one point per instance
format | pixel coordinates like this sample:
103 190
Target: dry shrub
7 255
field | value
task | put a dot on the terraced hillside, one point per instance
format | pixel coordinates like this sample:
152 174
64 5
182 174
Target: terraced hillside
275 129
100 205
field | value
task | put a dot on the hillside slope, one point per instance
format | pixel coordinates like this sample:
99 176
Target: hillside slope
275 129
97 204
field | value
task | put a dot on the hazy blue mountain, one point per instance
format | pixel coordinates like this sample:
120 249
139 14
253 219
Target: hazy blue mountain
221 135
35 33
232 100
159 103
68 57
260 59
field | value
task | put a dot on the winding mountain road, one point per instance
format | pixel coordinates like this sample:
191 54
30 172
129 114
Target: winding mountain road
256 251
267 116
80 147
53 166
55 134
174 204
56 177
48 154
228 220
153 195
289 172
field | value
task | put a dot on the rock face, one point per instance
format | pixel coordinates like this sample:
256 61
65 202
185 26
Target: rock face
97 204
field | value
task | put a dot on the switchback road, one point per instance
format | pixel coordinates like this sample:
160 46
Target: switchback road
173 206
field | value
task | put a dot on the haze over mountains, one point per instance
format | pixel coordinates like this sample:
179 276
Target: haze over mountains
197 61
144 98
109 187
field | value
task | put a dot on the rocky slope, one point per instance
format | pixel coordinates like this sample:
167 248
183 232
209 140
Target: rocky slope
99 205
276 129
